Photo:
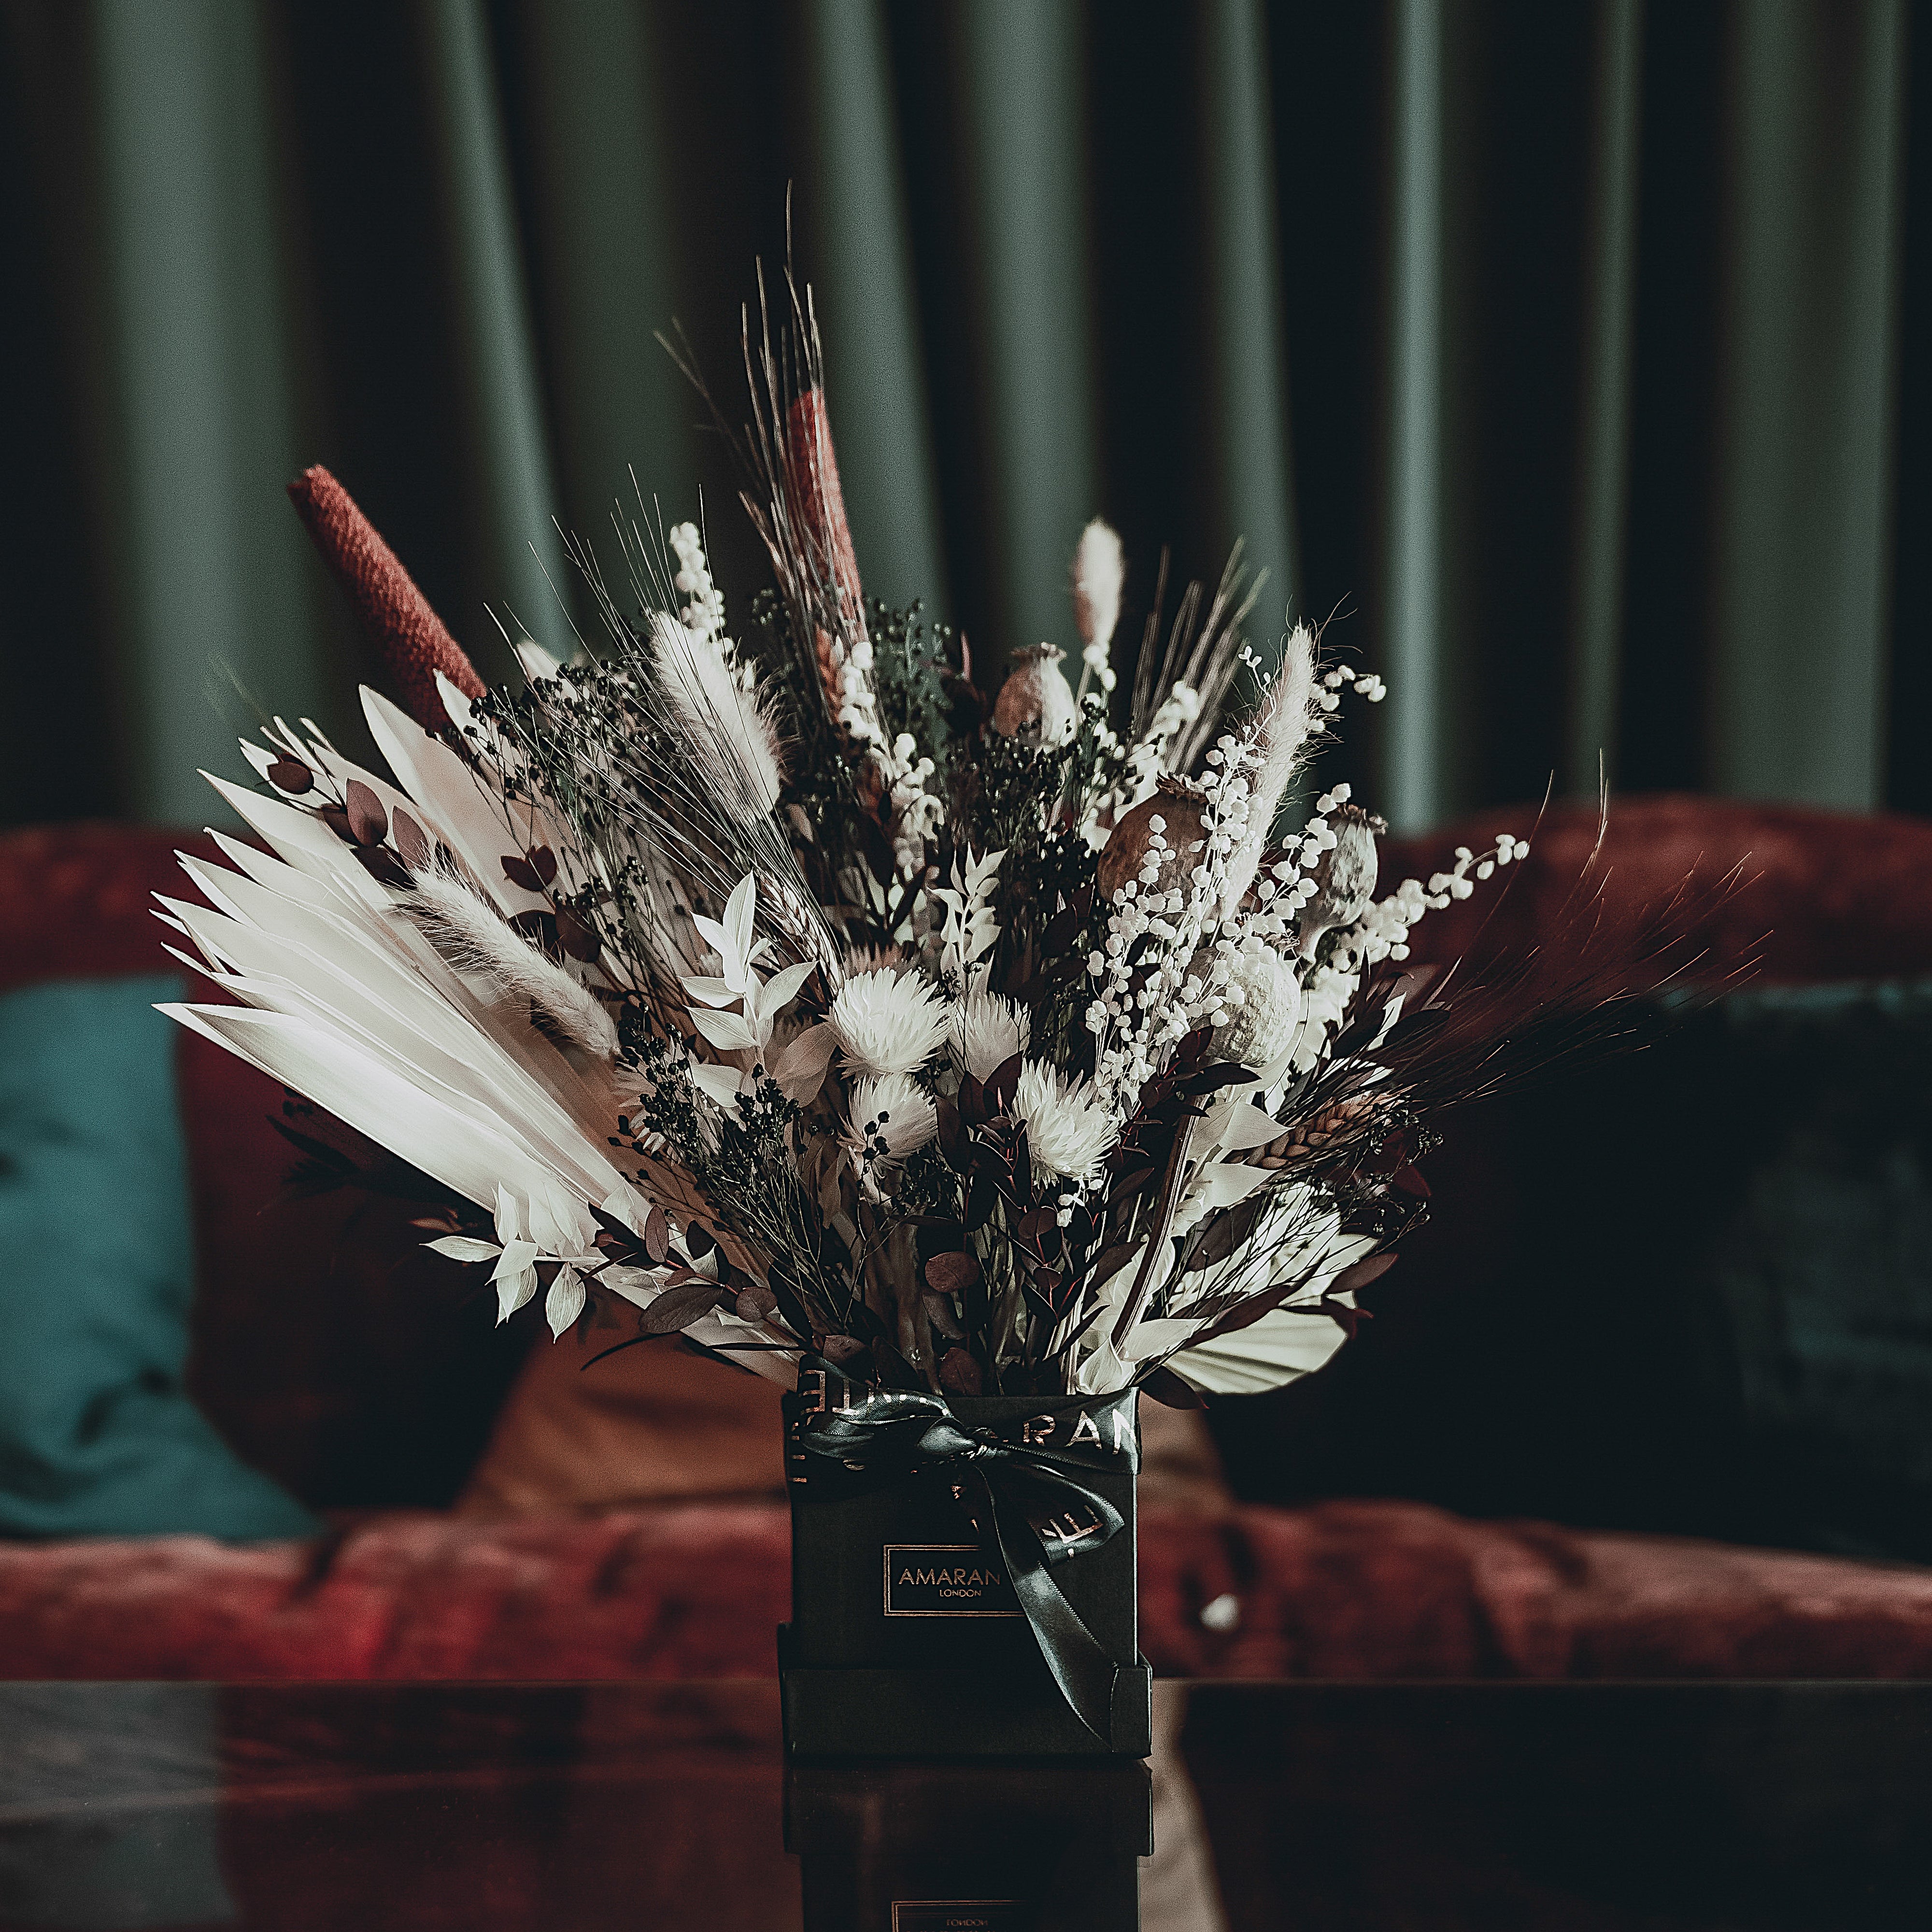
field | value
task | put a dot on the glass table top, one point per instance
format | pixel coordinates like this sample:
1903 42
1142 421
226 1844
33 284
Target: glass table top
661 1807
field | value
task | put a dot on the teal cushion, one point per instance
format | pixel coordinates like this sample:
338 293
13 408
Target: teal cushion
97 1435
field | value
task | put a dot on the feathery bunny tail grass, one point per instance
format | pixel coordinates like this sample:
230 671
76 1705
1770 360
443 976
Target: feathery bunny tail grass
1099 571
1288 720
471 938
729 733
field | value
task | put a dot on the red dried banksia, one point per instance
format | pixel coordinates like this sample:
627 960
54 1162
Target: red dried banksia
414 643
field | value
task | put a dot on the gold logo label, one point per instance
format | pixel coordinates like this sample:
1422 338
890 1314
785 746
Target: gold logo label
946 1579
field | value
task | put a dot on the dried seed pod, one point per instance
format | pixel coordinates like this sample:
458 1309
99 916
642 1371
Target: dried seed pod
1337 1121
1263 1026
1344 880
1036 703
1181 807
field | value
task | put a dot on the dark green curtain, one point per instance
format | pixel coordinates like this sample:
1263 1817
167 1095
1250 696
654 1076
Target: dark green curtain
1569 352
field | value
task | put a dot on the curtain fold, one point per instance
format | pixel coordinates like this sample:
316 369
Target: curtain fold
1806 399
197 424
1566 357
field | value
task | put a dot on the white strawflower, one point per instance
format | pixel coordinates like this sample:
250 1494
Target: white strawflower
887 1022
1069 1128
895 1109
988 1030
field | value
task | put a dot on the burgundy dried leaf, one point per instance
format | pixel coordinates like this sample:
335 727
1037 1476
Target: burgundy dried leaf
543 863
839 1350
939 1312
1223 1073
382 864
1352 1280
1062 929
1004 1083
539 927
677 1306
1035 1223
657 1236
756 1303
519 871
951 1274
1168 1389
959 1374
951 1135
982 1196
291 775
576 938
412 841
1111 1261
698 1241
1410 1180
368 822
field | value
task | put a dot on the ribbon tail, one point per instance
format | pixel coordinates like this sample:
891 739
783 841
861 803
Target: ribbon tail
1085 1673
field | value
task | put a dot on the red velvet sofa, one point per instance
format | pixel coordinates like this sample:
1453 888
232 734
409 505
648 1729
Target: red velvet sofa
334 1354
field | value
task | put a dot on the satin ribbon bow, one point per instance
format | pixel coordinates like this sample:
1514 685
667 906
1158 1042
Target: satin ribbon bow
898 1433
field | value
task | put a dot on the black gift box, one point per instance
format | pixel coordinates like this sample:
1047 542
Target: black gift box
906 1639
923 1847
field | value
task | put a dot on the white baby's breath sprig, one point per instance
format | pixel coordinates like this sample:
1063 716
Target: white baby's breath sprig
703 611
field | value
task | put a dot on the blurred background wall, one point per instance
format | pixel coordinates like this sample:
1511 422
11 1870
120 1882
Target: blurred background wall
1574 354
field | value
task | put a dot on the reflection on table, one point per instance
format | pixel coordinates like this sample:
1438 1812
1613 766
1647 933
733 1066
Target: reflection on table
403 1807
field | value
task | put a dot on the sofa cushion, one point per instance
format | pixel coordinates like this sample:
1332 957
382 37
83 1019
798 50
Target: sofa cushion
651 1423
1374 1590
97 1435
329 1347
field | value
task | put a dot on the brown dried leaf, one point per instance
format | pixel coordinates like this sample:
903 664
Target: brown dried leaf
959 1373
676 1307
368 822
951 1273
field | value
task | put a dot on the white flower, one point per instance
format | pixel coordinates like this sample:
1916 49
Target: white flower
894 1108
887 1023
988 1030
1069 1128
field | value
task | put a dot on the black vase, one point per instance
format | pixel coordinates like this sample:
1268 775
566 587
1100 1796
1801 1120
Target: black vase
906 1638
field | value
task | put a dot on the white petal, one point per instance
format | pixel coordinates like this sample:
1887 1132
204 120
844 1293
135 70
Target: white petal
509 1215
725 1031
713 992
1228 1182
738 911
1279 1348
517 1256
462 1248
781 989
564 1302
452 803
1247 1126
512 1291
721 1084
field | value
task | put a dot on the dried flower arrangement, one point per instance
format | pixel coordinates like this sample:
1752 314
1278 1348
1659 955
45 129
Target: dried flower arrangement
769 984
